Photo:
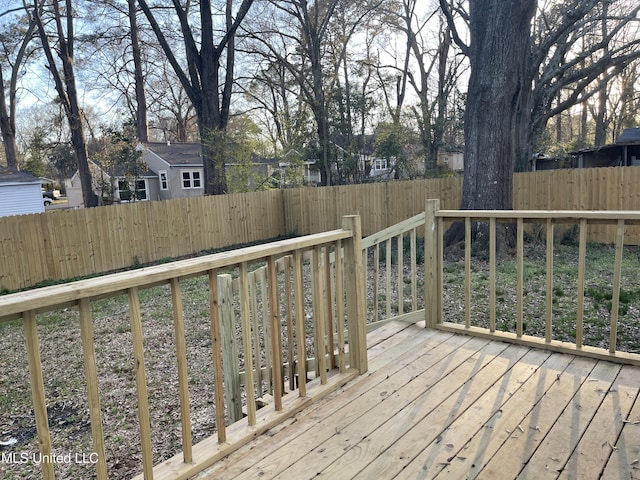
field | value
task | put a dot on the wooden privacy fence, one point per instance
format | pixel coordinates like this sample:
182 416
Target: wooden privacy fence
66 244
61 245
435 227
282 319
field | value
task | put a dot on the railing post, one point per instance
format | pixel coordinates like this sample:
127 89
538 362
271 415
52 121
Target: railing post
355 288
229 349
432 265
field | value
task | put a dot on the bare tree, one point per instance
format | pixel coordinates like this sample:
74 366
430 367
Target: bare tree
15 43
63 37
209 78
298 36
142 125
576 48
518 69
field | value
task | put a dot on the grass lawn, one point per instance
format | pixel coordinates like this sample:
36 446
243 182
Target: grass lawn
61 351
598 291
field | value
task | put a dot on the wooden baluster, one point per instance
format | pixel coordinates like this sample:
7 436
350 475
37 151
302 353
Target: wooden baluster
276 333
266 328
183 378
141 382
414 275
328 277
255 329
232 390
376 281
615 298
340 305
319 315
216 352
520 278
492 274
298 288
467 272
91 373
289 309
549 293
582 256
387 269
246 344
37 392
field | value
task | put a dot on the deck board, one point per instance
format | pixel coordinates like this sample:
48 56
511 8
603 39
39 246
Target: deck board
437 405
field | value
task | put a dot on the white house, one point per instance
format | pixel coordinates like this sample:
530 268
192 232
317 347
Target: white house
20 193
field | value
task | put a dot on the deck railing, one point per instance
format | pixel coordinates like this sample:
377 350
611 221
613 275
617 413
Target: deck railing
392 259
278 317
437 221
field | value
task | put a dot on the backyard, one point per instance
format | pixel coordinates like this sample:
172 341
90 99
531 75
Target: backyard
62 356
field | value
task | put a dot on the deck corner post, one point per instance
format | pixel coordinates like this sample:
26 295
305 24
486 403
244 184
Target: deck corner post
355 288
432 264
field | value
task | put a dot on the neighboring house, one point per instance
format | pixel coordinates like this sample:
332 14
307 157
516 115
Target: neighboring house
624 152
540 162
144 187
378 168
381 168
123 187
178 167
175 170
74 189
453 160
295 171
307 172
20 193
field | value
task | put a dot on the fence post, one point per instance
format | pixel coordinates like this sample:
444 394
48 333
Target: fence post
354 276
229 349
432 265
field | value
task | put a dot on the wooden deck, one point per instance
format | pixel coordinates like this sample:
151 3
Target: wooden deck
439 405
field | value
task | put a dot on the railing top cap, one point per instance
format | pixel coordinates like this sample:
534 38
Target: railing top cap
611 215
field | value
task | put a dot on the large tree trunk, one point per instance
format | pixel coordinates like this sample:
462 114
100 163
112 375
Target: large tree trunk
498 55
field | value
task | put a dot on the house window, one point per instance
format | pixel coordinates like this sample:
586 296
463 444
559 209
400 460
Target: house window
132 191
191 178
380 164
164 181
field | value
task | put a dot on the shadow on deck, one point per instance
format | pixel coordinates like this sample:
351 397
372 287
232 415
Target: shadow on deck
443 405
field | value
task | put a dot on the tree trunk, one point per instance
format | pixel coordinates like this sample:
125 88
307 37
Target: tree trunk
142 126
498 55
8 132
65 84
8 112
210 96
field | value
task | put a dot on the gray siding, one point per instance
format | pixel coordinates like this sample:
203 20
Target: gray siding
20 199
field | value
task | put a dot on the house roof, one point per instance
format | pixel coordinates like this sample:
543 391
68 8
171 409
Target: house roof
10 176
121 172
259 159
177 153
629 135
